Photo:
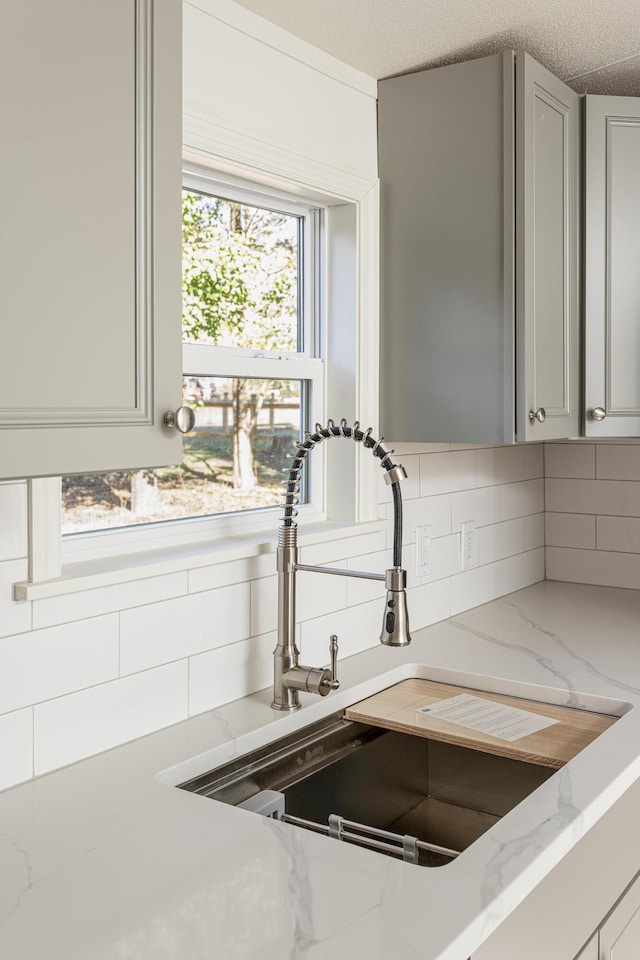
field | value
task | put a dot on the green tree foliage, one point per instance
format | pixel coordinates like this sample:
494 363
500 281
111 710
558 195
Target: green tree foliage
239 275
239 289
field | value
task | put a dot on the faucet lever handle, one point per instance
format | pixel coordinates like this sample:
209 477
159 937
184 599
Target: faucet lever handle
333 653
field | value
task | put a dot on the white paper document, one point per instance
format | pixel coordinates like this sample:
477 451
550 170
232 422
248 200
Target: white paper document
485 716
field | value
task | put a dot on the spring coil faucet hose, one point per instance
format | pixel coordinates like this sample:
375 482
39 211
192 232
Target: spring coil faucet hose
311 440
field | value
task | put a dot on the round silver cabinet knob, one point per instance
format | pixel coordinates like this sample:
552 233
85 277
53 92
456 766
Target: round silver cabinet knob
598 413
540 415
183 419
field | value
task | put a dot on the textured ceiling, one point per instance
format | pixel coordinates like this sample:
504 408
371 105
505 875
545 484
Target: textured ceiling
592 44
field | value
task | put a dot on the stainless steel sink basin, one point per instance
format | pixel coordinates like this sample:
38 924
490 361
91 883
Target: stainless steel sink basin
403 795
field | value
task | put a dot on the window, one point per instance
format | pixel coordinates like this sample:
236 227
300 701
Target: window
333 368
252 369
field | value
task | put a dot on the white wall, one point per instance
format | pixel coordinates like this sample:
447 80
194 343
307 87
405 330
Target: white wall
84 672
272 102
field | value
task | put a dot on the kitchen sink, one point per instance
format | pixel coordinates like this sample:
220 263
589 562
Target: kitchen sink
402 795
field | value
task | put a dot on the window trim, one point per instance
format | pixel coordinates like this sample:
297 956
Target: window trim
46 547
210 360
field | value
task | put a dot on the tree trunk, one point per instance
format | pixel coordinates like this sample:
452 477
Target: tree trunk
244 474
145 499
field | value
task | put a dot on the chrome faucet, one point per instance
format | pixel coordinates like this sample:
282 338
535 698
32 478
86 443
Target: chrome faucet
290 676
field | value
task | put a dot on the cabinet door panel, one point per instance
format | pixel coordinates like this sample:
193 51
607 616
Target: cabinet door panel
612 255
446 176
90 255
590 952
620 933
547 210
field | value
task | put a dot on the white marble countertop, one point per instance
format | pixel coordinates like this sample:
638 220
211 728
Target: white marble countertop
105 859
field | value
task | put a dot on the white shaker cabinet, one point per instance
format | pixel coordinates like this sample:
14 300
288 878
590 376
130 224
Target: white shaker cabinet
90 234
479 169
590 952
612 267
619 935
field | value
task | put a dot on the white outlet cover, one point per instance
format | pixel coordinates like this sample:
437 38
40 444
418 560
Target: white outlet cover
422 556
468 544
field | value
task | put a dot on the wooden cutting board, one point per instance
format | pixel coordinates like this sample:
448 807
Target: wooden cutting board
397 709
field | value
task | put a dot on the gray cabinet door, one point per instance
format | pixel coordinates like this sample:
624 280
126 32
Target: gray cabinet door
612 274
479 253
620 933
90 249
547 231
446 157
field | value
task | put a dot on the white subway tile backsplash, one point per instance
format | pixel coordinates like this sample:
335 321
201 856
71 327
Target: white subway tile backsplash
470 446
594 566
570 496
76 726
410 486
107 665
570 530
500 465
121 596
617 462
332 550
13 521
48 663
175 629
361 591
534 531
522 499
593 525
445 558
523 570
473 587
230 672
429 603
237 571
16 747
316 594
574 460
357 629
533 460
483 505
320 593
619 498
447 472
402 449
620 534
501 540
264 605
15 617
435 511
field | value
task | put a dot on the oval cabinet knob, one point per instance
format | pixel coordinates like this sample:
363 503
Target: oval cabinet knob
598 413
540 415
183 419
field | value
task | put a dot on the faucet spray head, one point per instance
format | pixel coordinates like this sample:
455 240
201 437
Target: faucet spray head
395 622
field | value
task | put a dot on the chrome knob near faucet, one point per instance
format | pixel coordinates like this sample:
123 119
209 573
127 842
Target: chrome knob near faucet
290 676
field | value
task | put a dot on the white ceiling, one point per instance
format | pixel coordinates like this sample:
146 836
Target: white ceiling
592 44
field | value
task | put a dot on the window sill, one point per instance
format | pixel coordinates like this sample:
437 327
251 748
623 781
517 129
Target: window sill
90 574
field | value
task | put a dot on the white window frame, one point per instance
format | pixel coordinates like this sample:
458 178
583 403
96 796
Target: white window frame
207 360
346 505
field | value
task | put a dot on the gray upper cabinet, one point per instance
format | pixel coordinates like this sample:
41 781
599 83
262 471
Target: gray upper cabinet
612 271
90 213
479 167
